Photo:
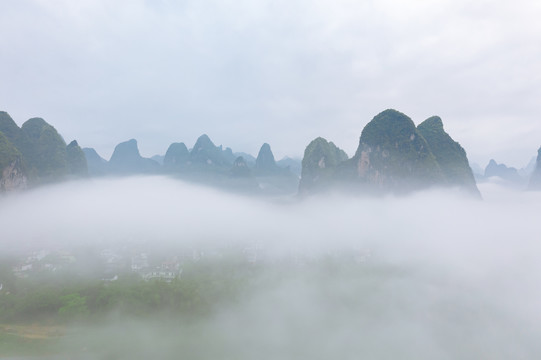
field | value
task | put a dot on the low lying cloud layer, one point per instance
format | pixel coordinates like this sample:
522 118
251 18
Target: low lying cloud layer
445 277
161 209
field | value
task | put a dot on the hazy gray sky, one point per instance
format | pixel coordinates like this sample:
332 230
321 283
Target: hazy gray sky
283 72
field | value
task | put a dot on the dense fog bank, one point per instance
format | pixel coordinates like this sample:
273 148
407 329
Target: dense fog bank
431 275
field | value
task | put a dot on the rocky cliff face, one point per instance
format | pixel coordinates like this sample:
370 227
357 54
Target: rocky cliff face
12 142
450 156
393 156
12 177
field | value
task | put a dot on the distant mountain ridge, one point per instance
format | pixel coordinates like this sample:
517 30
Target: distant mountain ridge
506 176
509 174
97 166
126 159
204 163
393 156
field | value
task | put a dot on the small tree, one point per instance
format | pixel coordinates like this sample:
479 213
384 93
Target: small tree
74 307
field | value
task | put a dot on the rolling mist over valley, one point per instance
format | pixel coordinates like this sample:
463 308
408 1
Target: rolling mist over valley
266 179
206 253
150 266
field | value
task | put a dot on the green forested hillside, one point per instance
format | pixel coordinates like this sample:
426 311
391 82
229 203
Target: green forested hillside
319 163
76 160
393 156
44 157
8 152
450 156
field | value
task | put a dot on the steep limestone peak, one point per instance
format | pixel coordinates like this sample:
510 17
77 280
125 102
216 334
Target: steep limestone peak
44 151
34 126
127 150
203 142
321 153
126 159
73 144
450 156
393 156
433 122
501 170
265 158
388 128
8 126
205 153
76 160
319 164
177 154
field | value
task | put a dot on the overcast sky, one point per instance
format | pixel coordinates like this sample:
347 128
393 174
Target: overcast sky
284 72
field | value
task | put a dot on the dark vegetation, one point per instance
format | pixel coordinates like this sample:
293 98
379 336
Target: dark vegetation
67 299
399 155
45 158
41 315
393 156
68 307
8 152
450 156
319 164
44 151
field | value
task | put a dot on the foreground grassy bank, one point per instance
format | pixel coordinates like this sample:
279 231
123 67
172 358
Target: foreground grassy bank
30 339
74 316
319 309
